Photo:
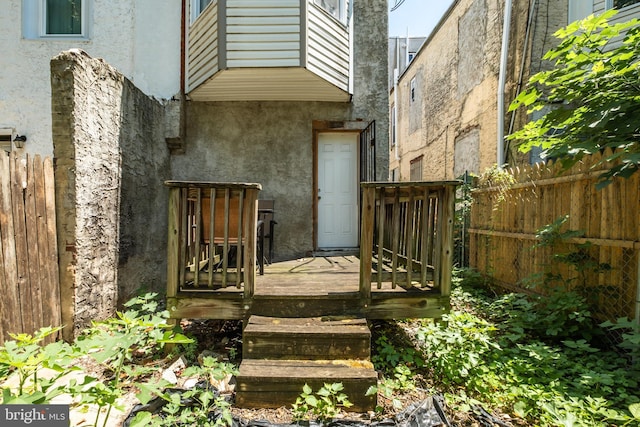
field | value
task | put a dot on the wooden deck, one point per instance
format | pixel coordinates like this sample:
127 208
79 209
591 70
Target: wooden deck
309 287
402 268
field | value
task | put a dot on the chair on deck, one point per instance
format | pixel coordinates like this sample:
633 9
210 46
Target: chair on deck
265 229
266 225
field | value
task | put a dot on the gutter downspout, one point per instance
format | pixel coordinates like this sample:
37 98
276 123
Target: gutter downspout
501 81
396 76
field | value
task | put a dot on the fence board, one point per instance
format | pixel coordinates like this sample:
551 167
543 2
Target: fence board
28 247
504 224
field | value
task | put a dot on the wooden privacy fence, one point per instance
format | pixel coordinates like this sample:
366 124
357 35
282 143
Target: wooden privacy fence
407 235
28 246
602 260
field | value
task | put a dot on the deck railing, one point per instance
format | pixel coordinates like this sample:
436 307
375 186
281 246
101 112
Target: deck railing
212 236
407 235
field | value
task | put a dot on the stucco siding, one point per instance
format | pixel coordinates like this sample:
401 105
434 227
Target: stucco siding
122 32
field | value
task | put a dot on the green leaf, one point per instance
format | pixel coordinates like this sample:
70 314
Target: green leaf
635 410
371 391
141 419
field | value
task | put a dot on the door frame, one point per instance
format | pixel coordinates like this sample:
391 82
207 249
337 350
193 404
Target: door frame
323 126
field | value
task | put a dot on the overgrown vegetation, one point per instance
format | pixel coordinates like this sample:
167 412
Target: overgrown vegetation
323 405
536 358
590 96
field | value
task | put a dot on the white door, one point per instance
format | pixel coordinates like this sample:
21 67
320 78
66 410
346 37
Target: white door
337 190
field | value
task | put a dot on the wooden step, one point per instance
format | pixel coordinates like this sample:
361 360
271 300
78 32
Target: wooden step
306 339
276 383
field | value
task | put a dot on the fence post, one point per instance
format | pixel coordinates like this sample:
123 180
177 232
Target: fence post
446 250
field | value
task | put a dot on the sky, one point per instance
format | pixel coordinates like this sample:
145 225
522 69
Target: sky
417 16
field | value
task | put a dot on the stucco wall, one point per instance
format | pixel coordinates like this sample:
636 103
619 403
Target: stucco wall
141 39
111 207
457 71
270 143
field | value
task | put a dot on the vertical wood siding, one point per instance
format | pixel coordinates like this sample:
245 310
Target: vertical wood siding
203 47
28 246
263 33
328 47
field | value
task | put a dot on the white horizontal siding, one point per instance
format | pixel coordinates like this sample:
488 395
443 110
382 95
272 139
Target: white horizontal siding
328 47
623 15
203 47
263 33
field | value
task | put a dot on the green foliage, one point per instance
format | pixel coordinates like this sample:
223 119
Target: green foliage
116 344
24 358
555 317
512 355
139 332
324 404
397 362
200 406
594 95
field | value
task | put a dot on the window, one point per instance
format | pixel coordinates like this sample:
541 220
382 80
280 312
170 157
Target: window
393 126
62 17
415 169
197 7
412 86
411 56
395 176
6 135
619 4
335 8
55 18
579 9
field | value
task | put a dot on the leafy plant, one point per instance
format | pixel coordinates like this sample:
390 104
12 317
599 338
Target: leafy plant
139 332
324 404
201 405
593 92
24 358
494 356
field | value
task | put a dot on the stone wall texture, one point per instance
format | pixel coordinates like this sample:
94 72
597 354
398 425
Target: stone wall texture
456 74
111 159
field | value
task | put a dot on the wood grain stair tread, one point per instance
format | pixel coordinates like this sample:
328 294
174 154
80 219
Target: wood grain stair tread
275 383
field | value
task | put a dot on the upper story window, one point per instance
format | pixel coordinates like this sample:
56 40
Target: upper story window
393 126
415 169
335 8
413 88
411 56
619 4
579 9
62 17
197 7
55 18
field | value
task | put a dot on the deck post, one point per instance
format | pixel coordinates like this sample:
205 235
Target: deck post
366 241
250 231
173 242
446 248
